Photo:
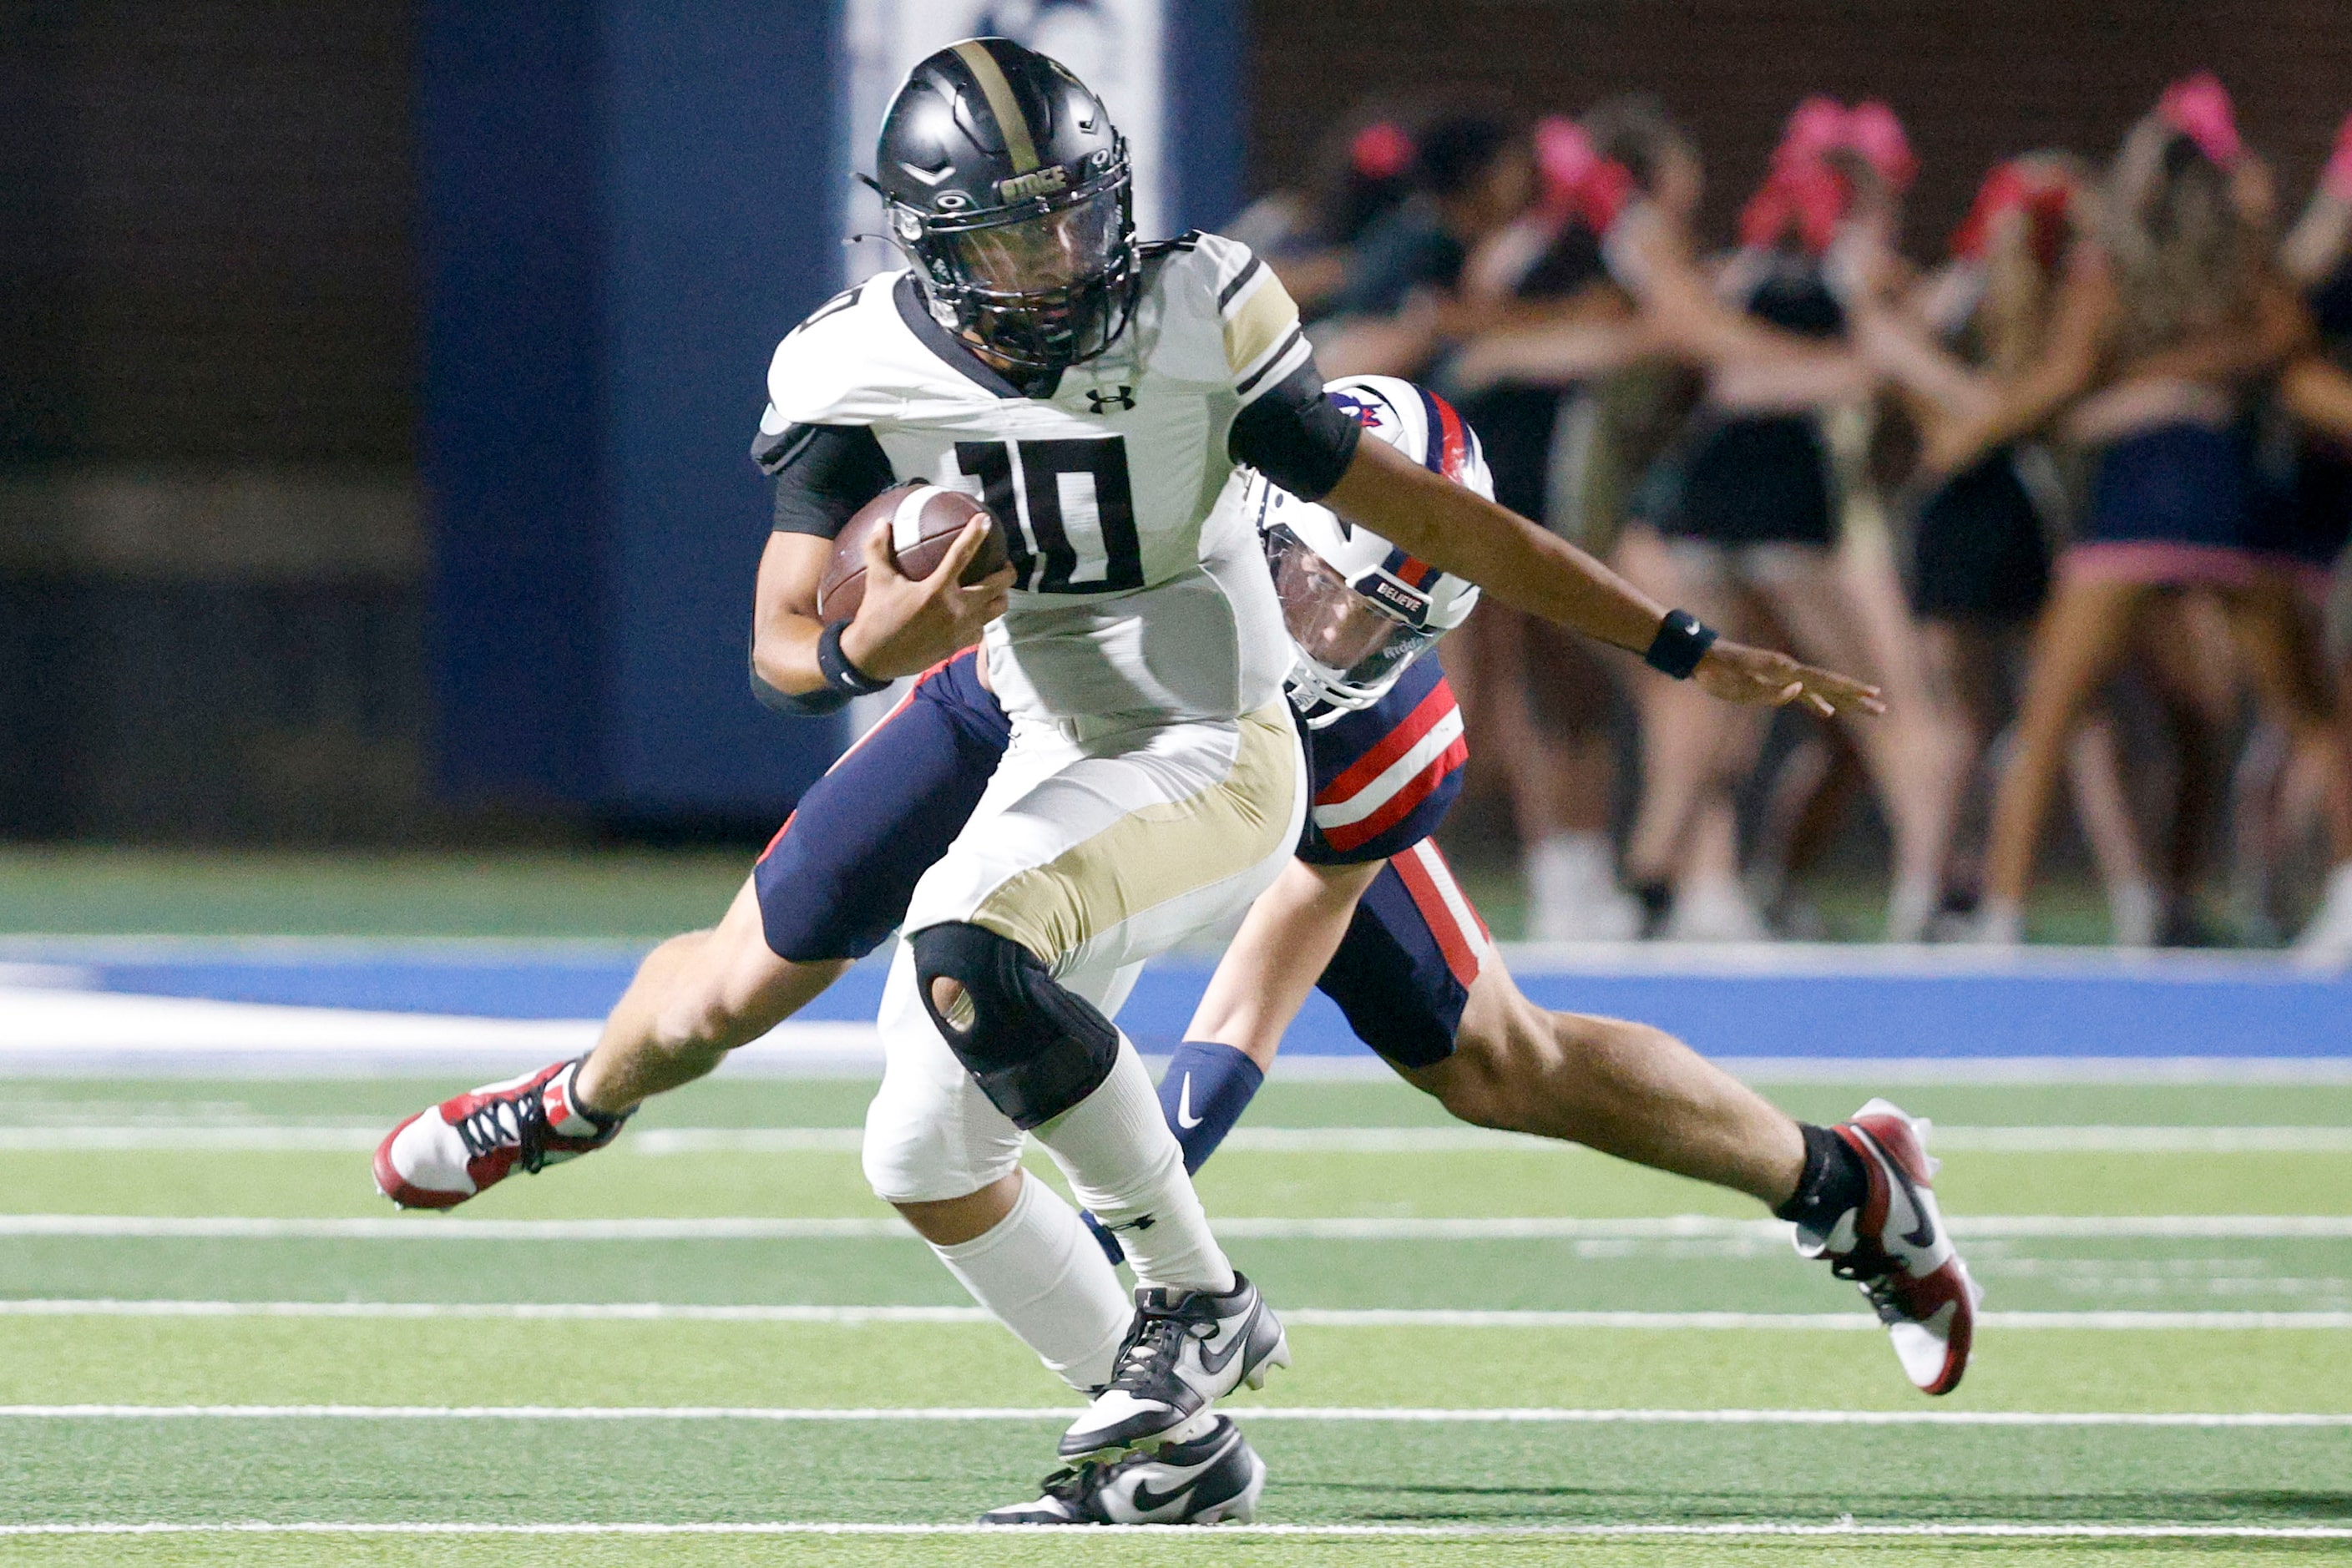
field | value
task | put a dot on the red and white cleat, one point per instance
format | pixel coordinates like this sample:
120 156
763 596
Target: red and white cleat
445 1155
1896 1251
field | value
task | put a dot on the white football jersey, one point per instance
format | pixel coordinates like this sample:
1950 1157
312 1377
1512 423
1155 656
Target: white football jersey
1135 596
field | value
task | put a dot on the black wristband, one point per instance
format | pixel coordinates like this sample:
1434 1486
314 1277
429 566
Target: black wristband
1682 641
840 674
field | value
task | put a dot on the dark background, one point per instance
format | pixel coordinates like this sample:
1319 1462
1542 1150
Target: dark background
375 377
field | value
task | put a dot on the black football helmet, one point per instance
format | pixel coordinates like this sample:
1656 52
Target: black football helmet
1007 183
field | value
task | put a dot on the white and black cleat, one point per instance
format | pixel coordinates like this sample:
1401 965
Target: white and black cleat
1187 1350
1896 1250
1215 1478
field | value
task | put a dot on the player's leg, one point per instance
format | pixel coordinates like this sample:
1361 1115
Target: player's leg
1623 1088
830 887
1087 859
695 999
942 1151
1422 986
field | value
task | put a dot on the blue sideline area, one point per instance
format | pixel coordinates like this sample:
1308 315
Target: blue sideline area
1787 1002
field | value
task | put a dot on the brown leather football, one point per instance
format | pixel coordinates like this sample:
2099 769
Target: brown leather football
922 522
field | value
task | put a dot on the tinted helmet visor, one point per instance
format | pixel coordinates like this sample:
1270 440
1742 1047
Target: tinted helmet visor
1354 648
1046 286
1042 255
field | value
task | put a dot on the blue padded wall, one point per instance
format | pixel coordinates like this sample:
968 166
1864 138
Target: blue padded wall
625 205
723 229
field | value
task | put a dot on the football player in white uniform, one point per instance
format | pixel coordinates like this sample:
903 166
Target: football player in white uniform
1096 393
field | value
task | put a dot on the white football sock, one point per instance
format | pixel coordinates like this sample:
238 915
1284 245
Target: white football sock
2135 914
1572 891
1047 1281
2000 922
1910 905
1125 1165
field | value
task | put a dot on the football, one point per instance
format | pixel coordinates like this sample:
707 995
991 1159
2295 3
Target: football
922 522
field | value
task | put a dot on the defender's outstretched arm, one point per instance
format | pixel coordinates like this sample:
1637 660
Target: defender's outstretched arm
1429 517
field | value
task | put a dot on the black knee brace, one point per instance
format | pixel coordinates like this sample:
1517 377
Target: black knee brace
1035 1049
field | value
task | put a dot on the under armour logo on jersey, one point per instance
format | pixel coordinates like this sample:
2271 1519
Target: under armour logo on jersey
1102 402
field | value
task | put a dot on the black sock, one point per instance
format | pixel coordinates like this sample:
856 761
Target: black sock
1834 1182
604 1120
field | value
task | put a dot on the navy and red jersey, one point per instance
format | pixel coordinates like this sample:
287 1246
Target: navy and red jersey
1384 776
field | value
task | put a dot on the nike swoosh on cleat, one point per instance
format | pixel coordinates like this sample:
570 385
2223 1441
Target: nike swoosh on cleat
1215 1364
1184 1117
1146 1500
1924 1236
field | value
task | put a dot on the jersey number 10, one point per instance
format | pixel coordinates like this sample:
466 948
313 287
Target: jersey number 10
1046 559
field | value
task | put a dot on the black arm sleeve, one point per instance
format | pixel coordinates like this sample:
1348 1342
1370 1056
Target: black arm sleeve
823 473
1295 436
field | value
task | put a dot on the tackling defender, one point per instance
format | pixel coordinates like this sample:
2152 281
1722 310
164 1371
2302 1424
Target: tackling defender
1152 781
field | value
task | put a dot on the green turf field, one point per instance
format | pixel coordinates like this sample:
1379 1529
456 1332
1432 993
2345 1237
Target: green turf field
207 1319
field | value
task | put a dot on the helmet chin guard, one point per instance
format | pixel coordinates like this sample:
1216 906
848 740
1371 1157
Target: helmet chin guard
1359 610
1006 183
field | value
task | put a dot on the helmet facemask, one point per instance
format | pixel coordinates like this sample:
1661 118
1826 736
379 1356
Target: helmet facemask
1350 647
1042 285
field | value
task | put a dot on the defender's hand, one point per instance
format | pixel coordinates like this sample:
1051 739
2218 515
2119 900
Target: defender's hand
1759 676
906 624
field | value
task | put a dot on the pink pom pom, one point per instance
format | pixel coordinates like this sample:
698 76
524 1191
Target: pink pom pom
1564 155
2337 178
1382 151
1816 125
1872 130
1808 198
2198 107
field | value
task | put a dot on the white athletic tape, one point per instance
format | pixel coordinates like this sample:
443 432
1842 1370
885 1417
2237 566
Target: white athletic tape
1420 1415
1666 1227
1297 1317
1998 1530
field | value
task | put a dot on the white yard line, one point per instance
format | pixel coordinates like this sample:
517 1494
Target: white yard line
200 1137
1300 1317
1661 1227
1546 1416
436 1228
1989 1530
1476 1141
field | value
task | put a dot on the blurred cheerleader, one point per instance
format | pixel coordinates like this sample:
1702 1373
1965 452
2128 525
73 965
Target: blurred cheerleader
2316 393
1745 519
1539 704
1364 170
1982 537
2165 321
